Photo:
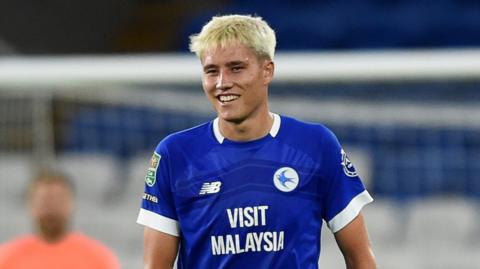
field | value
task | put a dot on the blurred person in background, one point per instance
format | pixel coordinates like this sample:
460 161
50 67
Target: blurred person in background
251 187
53 244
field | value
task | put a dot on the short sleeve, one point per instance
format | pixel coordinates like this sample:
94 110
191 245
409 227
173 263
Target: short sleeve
158 210
346 194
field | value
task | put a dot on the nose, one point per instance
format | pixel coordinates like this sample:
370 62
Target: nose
223 83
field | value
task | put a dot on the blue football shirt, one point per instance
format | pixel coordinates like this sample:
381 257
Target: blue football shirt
259 203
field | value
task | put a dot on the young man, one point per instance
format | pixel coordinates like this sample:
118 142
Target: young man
53 245
249 188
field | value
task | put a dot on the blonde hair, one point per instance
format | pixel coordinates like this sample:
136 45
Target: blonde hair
252 32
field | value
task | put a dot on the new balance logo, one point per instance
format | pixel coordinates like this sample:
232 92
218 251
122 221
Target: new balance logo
210 187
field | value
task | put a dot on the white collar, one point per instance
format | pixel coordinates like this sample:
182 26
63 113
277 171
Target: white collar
273 131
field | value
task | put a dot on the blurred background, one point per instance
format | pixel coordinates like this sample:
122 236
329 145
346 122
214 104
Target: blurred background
93 86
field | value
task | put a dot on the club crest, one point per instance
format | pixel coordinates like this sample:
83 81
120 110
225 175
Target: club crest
286 179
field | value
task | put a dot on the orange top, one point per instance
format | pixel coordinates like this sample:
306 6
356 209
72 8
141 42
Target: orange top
75 251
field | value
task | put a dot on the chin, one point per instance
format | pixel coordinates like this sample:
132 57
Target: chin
231 117
52 227
236 114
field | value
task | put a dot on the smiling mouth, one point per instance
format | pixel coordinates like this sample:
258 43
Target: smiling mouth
227 98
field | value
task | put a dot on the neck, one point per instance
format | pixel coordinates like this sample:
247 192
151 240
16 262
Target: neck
252 128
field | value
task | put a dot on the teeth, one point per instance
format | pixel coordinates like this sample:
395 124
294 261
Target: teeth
228 98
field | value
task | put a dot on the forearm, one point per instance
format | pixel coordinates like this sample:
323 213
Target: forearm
366 261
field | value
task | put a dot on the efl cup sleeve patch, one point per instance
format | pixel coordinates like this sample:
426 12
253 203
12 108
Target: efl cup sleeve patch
151 175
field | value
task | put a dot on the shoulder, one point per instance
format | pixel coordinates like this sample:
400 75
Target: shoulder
87 242
16 247
198 135
24 240
91 247
304 131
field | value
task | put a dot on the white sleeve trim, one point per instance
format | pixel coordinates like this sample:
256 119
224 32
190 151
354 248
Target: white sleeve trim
158 222
349 212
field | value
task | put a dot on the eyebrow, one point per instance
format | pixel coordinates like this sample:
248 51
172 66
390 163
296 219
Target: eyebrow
234 63
229 64
208 66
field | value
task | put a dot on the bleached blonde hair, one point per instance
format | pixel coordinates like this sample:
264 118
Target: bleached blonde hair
250 31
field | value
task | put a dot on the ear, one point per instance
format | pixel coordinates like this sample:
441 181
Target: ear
268 71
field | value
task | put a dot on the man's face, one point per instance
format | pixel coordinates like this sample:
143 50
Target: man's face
51 207
235 81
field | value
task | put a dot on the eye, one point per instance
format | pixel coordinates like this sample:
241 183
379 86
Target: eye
237 68
210 71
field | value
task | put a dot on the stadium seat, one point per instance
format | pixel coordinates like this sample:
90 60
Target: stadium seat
14 220
94 176
436 222
15 172
385 221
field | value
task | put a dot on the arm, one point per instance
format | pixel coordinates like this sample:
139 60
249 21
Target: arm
160 249
355 246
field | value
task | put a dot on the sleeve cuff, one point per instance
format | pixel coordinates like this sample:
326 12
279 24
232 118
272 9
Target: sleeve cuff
158 222
350 212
